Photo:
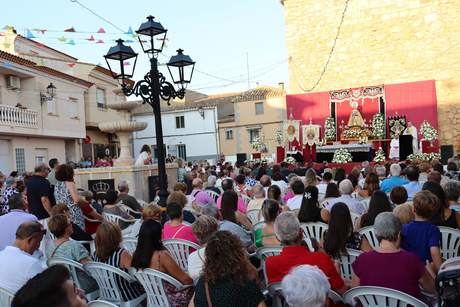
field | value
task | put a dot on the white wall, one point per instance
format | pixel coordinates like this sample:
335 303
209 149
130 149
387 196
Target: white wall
199 134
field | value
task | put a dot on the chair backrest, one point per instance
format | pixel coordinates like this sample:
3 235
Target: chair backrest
99 303
111 217
71 265
346 261
213 194
5 297
253 215
152 281
180 249
314 230
450 242
105 276
378 296
354 217
129 210
335 297
130 244
256 226
263 253
276 292
246 199
369 234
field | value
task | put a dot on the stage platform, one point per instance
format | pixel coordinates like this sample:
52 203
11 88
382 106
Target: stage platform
359 152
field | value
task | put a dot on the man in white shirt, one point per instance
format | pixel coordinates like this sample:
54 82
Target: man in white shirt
298 189
346 188
17 264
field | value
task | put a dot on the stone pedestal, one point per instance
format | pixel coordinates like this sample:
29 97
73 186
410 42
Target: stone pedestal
137 177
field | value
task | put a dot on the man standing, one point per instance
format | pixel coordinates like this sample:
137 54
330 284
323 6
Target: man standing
18 265
39 193
411 130
53 163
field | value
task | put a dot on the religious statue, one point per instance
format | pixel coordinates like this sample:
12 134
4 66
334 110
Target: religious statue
411 130
356 119
394 147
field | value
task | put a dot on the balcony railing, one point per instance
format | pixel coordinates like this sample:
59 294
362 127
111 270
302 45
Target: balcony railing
17 117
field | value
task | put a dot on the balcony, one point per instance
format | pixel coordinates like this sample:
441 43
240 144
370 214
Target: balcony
17 117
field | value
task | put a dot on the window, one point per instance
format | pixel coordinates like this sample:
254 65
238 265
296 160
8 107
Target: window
41 155
51 106
100 98
229 134
73 108
253 134
182 151
259 108
180 122
20 159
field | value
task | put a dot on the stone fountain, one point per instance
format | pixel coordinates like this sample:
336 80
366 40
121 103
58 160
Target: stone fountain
123 129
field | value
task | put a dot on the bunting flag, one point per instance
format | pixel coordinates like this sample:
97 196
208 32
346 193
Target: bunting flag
71 29
29 34
99 41
130 31
62 39
101 30
71 65
8 27
71 42
91 39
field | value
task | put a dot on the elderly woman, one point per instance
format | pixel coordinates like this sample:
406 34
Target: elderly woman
265 236
390 266
175 229
259 197
212 184
203 228
305 285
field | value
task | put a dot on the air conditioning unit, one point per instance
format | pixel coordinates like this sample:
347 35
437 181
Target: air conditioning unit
13 82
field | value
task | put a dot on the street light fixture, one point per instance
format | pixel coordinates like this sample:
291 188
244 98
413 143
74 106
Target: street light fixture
154 84
51 90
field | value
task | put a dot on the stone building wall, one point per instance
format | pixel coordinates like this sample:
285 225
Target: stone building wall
381 42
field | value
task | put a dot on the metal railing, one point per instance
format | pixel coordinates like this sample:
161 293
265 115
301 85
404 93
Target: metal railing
17 117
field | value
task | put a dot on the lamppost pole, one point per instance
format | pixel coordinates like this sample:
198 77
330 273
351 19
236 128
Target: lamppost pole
153 88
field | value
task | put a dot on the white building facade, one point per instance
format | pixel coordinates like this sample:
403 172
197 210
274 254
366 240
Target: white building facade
189 133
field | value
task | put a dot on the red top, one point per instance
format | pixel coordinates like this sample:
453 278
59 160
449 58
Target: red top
90 227
292 256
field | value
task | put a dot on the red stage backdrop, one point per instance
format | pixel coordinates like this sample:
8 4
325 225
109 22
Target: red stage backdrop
415 100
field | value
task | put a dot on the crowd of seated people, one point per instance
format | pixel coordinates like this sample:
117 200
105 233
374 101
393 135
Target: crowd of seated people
404 205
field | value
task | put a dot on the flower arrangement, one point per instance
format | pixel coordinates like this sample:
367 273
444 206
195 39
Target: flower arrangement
355 134
257 144
363 140
417 157
255 161
279 137
378 126
379 156
342 155
290 160
428 132
329 129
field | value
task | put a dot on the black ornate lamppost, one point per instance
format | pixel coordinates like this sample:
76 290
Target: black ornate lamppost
154 84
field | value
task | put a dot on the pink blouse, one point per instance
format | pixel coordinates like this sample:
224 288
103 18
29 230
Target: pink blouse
182 232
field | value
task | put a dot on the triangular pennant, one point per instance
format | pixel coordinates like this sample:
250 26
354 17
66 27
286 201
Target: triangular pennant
8 27
29 34
62 39
130 31
91 39
101 30
71 29
99 41
71 42
71 65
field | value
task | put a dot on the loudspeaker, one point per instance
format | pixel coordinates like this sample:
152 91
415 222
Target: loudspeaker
241 157
447 151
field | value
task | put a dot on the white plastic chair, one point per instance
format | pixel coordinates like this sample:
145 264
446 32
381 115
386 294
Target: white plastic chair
130 244
213 194
450 242
314 230
354 218
263 253
152 281
142 203
346 261
378 296
5 297
180 249
253 215
105 275
113 218
100 303
246 199
73 268
276 293
335 297
369 234
129 210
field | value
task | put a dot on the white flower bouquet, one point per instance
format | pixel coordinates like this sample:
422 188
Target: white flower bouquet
342 155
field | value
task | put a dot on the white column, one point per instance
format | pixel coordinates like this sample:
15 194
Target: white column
125 158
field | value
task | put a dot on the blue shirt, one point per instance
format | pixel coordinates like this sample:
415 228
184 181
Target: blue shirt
412 188
418 237
394 181
9 223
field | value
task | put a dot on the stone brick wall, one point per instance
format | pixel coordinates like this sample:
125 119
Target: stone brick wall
381 42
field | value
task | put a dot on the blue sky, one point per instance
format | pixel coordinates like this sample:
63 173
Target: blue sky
217 34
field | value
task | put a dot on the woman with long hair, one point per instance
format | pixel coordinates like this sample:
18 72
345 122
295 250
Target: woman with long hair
371 185
228 278
332 191
108 251
150 253
378 203
310 210
145 156
274 192
339 175
340 235
443 216
265 236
